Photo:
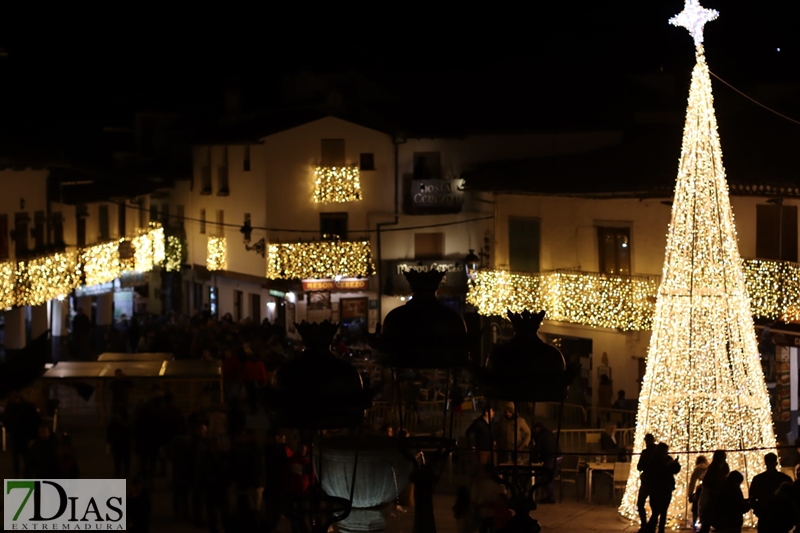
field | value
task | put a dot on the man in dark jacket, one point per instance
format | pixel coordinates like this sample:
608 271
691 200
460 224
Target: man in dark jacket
662 470
21 421
643 466
763 489
480 433
546 451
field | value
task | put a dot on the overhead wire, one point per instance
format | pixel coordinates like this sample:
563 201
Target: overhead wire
790 119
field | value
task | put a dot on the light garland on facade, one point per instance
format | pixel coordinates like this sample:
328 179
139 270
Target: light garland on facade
217 253
622 302
100 263
42 279
173 254
587 298
8 278
704 387
320 260
336 185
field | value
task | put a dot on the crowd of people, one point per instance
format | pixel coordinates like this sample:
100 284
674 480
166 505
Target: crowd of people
715 493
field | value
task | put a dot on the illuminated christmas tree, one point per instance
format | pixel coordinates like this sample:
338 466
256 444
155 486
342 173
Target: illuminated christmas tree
704 386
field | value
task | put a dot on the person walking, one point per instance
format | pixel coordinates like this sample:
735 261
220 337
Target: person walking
695 487
480 433
762 492
643 466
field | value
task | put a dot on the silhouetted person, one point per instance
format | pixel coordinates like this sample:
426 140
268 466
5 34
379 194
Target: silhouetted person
762 492
139 507
662 482
513 431
715 476
41 462
21 421
604 393
645 484
695 486
118 438
621 402
82 335
480 433
609 444
276 461
783 512
729 505
120 388
545 450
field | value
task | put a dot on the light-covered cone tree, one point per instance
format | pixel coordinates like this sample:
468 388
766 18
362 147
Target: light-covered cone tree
704 387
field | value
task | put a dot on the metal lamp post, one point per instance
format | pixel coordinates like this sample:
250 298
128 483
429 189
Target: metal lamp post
424 335
315 393
526 370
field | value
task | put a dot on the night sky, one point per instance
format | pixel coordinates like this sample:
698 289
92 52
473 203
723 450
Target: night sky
557 65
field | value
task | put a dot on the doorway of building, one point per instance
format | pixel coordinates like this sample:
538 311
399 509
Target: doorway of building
353 313
576 350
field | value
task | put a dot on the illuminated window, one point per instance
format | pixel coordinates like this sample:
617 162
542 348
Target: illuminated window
776 232
524 240
614 250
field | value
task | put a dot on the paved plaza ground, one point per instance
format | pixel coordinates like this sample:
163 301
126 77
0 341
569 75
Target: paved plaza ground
571 516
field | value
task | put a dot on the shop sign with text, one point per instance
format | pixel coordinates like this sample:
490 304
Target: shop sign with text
348 284
442 196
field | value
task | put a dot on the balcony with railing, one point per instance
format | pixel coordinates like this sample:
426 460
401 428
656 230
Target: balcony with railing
625 303
320 260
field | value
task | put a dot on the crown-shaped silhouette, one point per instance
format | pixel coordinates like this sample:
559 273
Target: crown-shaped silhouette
423 282
317 334
525 323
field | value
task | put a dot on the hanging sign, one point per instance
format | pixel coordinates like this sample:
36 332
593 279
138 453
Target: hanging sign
347 284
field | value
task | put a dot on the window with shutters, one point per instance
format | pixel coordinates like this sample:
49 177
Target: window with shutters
524 242
614 250
103 230
39 229
333 226
222 174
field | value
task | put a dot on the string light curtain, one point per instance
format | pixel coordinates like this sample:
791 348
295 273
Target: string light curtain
42 279
173 254
622 302
101 263
336 185
217 254
320 260
149 249
703 387
8 276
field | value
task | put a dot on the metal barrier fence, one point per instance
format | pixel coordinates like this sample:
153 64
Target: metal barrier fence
599 416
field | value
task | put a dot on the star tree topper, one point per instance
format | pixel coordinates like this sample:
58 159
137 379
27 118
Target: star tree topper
694 18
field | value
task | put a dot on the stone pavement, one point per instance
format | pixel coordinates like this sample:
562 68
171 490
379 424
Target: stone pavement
567 517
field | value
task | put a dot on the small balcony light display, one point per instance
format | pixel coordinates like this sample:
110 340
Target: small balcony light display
149 248
7 280
320 260
336 185
101 263
217 253
173 254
